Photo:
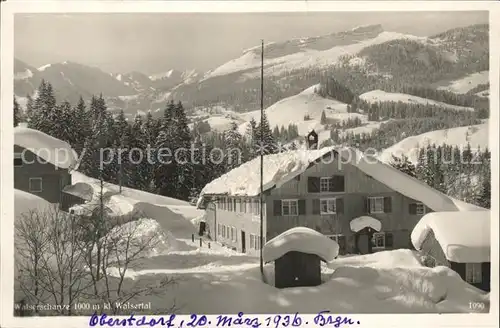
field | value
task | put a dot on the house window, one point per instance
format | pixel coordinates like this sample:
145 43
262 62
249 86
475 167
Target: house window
230 204
378 240
324 184
256 209
420 209
473 273
234 204
252 241
328 206
289 207
18 159
376 204
232 233
35 185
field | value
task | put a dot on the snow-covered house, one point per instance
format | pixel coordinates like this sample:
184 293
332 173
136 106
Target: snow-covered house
332 190
42 163
458 240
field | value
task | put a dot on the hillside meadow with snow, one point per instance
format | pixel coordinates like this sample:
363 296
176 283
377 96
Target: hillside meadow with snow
376 96
476 135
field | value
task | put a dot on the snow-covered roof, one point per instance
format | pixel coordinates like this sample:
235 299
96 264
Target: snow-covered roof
46 147
463 236
80 189
282 167
278 169
300 239
25 202
362 222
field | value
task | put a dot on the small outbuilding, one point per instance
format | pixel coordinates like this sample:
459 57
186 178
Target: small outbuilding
458 240
364 227
297 254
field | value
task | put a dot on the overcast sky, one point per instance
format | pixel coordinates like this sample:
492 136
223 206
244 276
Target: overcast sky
152 43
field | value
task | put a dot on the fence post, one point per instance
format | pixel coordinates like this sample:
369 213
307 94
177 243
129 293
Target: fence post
192 237
208 244
201 242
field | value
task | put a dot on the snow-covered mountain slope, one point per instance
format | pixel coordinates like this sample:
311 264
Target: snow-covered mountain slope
321 51
172 78
292 110
379 96
476 135
467 83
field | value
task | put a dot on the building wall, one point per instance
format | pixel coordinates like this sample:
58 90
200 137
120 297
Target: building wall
54 179
217 218
358 186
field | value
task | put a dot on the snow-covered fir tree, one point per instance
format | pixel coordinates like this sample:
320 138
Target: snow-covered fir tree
265 142
43 115
234 147
166 181
323 118
83 124
17 112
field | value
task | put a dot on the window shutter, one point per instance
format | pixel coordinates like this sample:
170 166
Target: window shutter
387 204
313 184
412 208
340 205
277 207
302 206
337 183
388 239
367 205
316 207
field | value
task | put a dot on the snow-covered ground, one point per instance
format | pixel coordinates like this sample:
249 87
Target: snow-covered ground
375 96
476 135
467 83
384 282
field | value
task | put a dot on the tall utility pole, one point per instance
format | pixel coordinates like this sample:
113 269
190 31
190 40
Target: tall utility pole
261 156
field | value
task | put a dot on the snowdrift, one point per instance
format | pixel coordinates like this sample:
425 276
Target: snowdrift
301 239
144 237
48 148
172 214
467 242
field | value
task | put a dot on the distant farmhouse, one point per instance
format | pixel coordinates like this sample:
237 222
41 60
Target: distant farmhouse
460 241
42 164
356 200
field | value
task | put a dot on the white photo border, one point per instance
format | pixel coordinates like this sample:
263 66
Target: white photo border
9 8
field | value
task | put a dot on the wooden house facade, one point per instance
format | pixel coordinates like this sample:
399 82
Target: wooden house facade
325 197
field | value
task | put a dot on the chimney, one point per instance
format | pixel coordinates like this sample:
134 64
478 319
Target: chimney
312 140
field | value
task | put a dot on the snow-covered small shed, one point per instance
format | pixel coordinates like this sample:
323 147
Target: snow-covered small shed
459 240
297 254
